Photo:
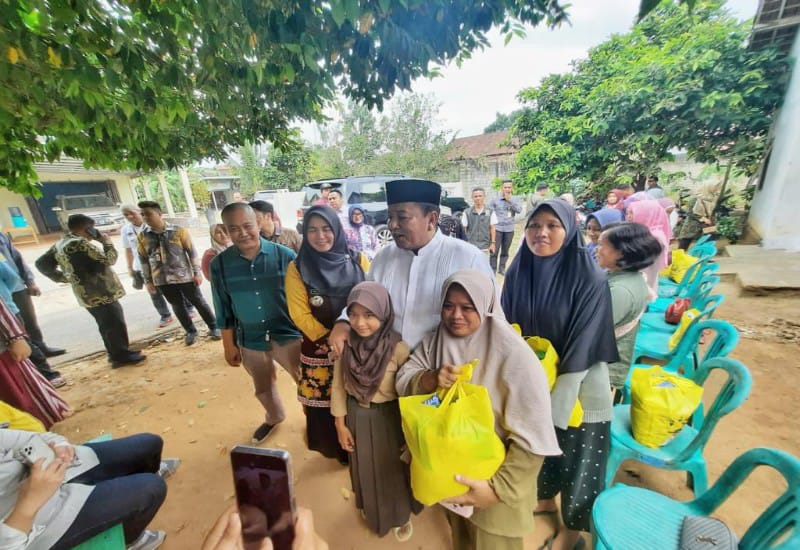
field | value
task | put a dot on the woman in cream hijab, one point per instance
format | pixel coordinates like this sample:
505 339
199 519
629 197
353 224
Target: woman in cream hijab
473 326
700 214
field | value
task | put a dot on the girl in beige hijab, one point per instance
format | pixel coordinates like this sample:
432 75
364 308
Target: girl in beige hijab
473 326
367 415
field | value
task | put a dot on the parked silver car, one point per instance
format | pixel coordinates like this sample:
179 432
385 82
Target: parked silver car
100 207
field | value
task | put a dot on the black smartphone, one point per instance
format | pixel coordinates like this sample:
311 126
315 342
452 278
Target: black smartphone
265 496
93 232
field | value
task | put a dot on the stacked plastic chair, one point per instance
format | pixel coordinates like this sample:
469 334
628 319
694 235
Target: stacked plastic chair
655 343
687 354
668 288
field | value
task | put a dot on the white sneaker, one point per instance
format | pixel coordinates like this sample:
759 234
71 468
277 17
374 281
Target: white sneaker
148 540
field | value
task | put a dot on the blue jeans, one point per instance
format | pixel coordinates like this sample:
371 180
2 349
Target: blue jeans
127 489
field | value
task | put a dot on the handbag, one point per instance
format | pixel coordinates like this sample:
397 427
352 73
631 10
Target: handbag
676 309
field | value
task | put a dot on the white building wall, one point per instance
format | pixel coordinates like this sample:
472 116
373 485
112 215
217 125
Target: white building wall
774 213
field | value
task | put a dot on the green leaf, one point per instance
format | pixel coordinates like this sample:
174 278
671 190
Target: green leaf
338 12
31 19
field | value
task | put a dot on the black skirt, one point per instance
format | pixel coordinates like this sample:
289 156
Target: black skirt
381 481
579 474
321 433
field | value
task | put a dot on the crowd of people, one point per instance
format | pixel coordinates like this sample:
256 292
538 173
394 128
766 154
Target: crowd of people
356 328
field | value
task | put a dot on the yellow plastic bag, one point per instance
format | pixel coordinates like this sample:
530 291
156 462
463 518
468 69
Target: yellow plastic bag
681 262
686 319
549 358
455 437
19 420
661 404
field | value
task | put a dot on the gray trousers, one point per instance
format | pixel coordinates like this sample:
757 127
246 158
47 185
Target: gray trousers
261 367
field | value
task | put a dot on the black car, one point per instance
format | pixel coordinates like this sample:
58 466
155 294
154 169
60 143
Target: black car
370 193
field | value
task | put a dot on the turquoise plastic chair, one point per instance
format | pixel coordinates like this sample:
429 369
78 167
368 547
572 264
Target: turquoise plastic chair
654 320
110 539
631 518
655 343
687 354
699 244
694 276
685 451
707 284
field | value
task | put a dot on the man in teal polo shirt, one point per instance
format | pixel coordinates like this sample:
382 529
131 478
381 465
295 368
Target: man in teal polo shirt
247 281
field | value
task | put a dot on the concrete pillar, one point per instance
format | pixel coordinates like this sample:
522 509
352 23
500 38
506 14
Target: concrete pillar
773 214
187 192
162 180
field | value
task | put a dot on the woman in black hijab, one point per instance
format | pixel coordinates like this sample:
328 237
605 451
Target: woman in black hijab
554 289
318 282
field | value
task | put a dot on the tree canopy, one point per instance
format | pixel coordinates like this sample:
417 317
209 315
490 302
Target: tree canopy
141 84
503 121
405 140
267 167
678 79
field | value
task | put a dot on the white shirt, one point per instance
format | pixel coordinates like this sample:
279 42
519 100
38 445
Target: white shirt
59 511
415 281
465 217
129 235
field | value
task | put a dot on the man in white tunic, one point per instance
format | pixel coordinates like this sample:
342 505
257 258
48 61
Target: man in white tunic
415 265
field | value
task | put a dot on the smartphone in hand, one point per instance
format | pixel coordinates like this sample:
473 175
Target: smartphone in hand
265 495
93 232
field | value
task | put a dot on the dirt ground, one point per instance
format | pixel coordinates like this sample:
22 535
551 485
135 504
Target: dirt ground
202 408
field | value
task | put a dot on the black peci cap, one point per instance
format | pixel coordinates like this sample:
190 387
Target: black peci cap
398 191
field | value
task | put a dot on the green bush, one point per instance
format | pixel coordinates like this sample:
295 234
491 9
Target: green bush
730 227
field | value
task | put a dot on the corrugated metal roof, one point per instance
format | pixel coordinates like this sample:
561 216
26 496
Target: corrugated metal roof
71 165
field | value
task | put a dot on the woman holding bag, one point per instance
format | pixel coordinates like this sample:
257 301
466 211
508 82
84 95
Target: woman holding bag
473 327
555 290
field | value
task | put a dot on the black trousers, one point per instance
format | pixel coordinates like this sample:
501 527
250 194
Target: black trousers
38 357
502 244
127 489
28 314
178 294
111 322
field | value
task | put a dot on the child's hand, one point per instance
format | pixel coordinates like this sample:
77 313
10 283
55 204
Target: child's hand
448 375
345 436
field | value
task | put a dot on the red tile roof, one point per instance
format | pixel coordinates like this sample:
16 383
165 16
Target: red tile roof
483 145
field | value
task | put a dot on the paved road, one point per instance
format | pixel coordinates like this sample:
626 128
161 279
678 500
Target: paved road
66 324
